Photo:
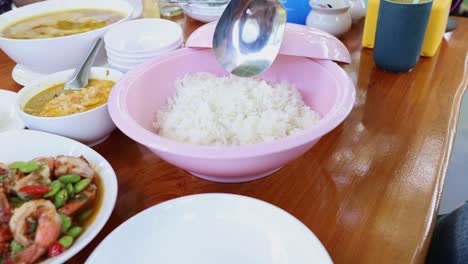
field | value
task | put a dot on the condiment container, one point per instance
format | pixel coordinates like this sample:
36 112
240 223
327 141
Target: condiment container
435 29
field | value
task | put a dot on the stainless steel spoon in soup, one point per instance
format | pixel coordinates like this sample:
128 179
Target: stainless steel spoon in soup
248 36
81 75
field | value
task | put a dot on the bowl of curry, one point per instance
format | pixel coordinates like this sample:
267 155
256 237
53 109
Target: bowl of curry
78 114
55 35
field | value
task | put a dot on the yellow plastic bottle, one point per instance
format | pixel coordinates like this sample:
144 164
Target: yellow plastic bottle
435 29
151 9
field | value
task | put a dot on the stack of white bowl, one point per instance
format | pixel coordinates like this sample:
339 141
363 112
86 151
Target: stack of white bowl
204 12
134 42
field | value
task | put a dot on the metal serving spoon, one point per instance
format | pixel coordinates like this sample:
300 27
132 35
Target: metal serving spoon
81 75
248 36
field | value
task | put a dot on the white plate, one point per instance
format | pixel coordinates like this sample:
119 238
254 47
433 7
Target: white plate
9 119
23 76
29 144
211 229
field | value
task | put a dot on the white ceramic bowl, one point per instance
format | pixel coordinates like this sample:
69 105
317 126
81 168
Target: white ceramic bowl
28 144
212 229
203 13
9 118
56 54
125 61
144 36
90 127
120 68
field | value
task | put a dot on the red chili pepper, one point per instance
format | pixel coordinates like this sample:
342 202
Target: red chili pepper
35 190
9 261
56 249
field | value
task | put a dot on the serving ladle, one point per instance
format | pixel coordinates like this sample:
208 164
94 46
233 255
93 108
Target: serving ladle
248 36
81 74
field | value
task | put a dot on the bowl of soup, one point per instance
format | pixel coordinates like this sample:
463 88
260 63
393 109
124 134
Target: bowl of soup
56 35
78 114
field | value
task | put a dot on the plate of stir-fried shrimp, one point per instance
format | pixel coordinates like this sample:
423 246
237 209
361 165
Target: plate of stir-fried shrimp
56 194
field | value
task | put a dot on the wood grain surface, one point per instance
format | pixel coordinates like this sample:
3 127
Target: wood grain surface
369 190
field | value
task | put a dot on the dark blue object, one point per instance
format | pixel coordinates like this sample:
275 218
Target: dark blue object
401 27
5 5
449 243
297 10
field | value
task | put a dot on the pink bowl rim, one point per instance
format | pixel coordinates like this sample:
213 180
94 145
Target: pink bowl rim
117 106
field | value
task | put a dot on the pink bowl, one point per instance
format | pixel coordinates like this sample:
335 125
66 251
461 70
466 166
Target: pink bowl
134 101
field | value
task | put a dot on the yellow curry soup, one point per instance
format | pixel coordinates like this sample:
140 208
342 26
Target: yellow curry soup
56 102
61 23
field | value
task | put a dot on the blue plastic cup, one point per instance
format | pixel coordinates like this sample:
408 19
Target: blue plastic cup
297 10
401 27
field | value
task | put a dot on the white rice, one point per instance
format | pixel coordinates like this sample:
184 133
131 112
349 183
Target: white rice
211 110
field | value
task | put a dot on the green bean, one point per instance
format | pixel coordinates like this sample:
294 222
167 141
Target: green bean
75 231
66 241
16 202
25 167
81 185
85 215
70 190
55 187
66 223
60 198
70 178
16 247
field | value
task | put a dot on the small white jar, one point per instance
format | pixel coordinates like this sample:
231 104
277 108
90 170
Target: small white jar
330 16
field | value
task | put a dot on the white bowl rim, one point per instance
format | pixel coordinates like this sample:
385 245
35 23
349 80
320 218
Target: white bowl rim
108 200
47 77
52 2
169 47
147 52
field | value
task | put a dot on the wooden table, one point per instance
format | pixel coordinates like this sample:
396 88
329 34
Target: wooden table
369 190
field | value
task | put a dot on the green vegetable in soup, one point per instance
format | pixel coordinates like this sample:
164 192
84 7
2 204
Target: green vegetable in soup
16 247
66 241
70 178
55 187
85 215
61 198
66 223
75 231
81 185
25 167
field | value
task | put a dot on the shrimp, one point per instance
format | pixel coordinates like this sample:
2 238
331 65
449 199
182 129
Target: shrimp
72 206
4 169
5 238
5 207
73 165
47 232
39 177
49 161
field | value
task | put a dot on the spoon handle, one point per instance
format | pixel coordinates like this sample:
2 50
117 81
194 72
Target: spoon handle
82 72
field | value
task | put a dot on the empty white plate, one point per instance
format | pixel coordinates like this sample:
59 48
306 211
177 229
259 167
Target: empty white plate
212 229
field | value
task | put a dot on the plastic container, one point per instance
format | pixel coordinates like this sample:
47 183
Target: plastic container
306 60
